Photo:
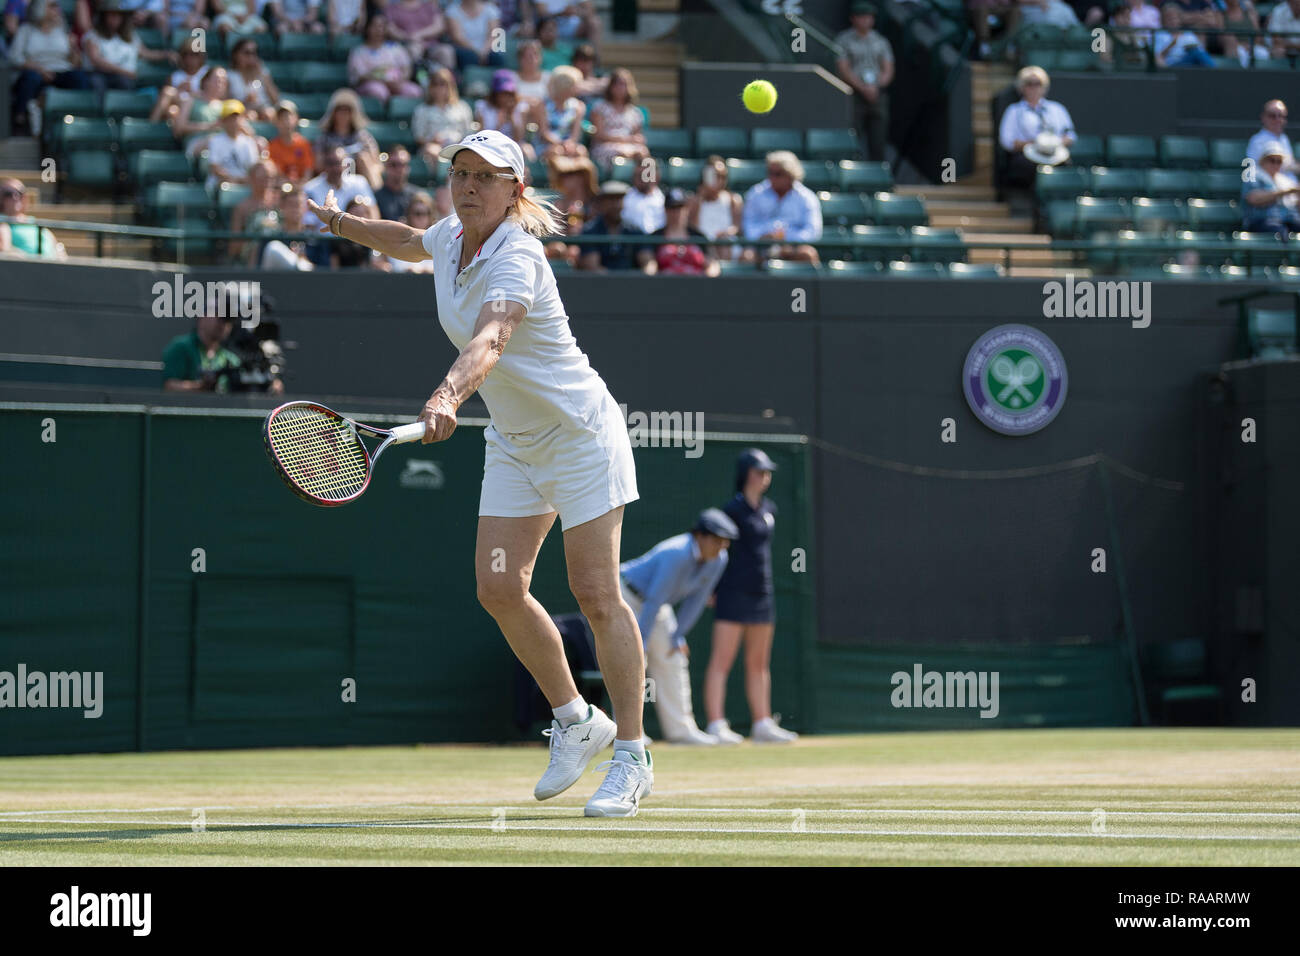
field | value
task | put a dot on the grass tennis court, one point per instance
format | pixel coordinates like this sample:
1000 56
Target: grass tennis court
1170 796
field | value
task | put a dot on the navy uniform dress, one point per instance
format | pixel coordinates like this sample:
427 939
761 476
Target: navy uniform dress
745 592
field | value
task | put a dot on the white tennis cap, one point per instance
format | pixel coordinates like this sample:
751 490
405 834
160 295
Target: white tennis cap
494 146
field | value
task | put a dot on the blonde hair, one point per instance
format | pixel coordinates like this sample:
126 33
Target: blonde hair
344 97
788 161
566 77
453 93
537 217
1032 72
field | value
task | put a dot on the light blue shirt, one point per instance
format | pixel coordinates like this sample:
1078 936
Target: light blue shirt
672 573
1255 148
799 210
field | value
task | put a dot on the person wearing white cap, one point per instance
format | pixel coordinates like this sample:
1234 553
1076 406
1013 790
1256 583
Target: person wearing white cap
1272 131
557 443
1267 195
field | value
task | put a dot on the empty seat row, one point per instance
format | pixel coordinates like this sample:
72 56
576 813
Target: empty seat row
1088 214
1066 182
1171 152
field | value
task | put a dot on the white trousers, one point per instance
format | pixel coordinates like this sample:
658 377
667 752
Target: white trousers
670 672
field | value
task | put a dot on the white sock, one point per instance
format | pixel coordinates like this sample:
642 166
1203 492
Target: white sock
571 713
634 747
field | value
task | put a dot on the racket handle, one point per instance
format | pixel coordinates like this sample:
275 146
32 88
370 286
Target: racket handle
406 433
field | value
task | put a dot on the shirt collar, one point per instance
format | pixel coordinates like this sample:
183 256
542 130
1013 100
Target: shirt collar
490 245
695 549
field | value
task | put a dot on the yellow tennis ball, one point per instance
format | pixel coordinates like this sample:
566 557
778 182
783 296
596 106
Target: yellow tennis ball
759 96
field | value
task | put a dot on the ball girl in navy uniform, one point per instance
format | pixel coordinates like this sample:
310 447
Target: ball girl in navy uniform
743 609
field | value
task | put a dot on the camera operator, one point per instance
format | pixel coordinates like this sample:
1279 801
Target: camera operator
209 360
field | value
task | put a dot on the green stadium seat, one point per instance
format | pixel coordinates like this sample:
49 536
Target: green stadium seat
851 269
787 267
976 270
680 171
178 202
1158 215
152 39
311 106
134 135
120 103
1172 183
865 177
421 174
1062 182
1173 271
1233 272
152 76
937 245
386 134
150 166
1176 671
623 169
763 141
402 108
1193 243
1130 151
843 209
873 243
1216 215
305 46
669 142
60 103
820 176
91 168
83 133
736 267
917 270
1097 214
894 210
476 76
285 74
1262 249
726 141
373 107
1271 333
560 266
832 144
343 46
1076 61
1184 152
1289 273
1136 250
538 172
1043 57
309 129
1220 184
743 173
1088 150
264 128
317 77
198 243
229 196
1060 218
1227 153
268 45
1122 183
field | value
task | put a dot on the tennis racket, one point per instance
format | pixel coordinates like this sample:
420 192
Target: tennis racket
320 454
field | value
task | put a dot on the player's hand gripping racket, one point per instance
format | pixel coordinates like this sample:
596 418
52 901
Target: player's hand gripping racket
320 454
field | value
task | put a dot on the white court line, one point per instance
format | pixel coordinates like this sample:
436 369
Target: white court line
614 827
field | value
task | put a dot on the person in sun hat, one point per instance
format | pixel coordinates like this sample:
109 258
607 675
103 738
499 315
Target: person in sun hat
1024 121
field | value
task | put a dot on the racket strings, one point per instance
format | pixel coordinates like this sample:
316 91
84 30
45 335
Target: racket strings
319 453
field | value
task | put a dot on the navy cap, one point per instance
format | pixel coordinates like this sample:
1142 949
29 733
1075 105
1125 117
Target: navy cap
751 458
715 521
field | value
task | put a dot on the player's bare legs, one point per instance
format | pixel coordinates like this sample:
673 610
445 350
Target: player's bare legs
591 552
503 580
726 642
758 673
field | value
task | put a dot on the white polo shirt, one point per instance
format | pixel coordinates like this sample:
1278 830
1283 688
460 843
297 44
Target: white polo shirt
1021 121
542 377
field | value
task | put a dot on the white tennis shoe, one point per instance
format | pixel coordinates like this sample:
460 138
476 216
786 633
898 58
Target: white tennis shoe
695 738
722 730
627 781
572 749
768 731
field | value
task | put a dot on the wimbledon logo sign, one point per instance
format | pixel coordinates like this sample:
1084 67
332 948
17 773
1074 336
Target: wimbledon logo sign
1014 379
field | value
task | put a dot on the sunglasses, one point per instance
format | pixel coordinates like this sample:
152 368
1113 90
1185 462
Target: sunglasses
1275 113
10 194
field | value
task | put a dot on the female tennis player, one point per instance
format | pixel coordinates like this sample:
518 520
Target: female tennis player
557 443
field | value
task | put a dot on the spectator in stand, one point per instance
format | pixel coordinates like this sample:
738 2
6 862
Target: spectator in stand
1268 197
618 122
294 16
503 111
608 221
43 55
259 213
559 117
344 124
868 67
555 52
442 206
517 18
1050 12
250 82
397 192
443 118
352 255
1176 46
530 79
232 149
591 87
202 114
980 12
286 253
379 67
22 238
469 25
1198 15
345 16
643 206
419 215
1285 19
420 26
575 179
183 85
111 49
345 185
290 151
237 17
1143 16
714 210
1273 133
782 210
1241 15
15 12
1023 121
184 16
574 19
199 361
684 255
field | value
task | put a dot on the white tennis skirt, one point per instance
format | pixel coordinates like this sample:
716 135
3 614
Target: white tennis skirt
580 472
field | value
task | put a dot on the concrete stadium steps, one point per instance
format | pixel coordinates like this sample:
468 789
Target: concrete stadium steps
969 207
987 80
656 66
83 243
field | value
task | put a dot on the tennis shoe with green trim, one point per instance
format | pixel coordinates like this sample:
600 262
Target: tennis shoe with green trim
572 748
628 780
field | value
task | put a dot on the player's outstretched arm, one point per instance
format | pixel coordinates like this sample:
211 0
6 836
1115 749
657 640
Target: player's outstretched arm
496 321
394 239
